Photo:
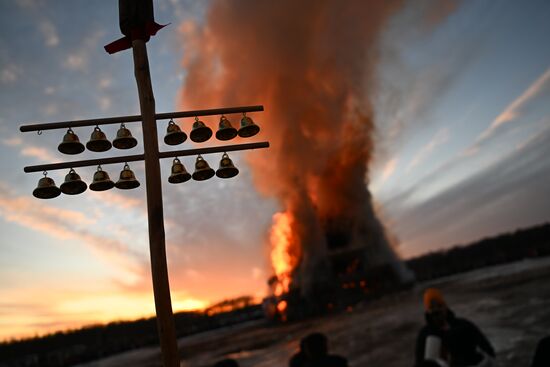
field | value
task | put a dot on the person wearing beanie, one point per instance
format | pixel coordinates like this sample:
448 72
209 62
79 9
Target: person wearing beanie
448 340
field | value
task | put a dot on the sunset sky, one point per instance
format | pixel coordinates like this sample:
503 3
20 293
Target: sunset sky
461 105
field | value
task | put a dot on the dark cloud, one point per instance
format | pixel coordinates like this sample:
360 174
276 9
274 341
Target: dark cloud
508 194
417 67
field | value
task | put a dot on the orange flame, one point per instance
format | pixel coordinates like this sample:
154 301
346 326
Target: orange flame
283 258
281 306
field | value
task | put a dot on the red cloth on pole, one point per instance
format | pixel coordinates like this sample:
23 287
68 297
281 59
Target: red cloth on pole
144 33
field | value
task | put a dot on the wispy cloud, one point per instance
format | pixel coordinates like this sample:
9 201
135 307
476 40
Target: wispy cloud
513 187
10 73
117 200
382 174
49 90
104 103
389 169
41 154
29 4
411 84
49 32
543 126
13 141
192 273
104 82
78 59
50 109
69 225
440 138
513 110
40 216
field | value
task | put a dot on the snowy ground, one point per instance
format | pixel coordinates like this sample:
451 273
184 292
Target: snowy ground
510 303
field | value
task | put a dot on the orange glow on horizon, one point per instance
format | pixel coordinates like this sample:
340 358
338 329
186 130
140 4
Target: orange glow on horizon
55 313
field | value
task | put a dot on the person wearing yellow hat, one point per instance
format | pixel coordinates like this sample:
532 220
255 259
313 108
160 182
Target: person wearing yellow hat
449 340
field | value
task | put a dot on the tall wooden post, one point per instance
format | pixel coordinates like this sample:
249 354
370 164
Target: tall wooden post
157 247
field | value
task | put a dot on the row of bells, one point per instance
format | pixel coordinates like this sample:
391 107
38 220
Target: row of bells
174 135
73 184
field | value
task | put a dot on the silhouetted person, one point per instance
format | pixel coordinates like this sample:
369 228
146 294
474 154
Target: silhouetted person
449 340
226 363
428 363
542 353
316 352
299 359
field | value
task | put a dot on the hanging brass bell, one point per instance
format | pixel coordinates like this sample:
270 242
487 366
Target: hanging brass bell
124 139
73 185
200 132
174 135
127 179
46 189
248 127
101 181
225 130
70 144
226 169
179 173
202 170
98 141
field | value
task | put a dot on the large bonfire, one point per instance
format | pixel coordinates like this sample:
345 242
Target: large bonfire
311 65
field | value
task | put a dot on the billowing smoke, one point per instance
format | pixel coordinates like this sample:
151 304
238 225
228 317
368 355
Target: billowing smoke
310 63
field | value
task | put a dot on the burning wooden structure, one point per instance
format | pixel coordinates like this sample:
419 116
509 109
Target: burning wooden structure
350 270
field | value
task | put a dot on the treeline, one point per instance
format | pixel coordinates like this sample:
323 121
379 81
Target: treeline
93 342
508 247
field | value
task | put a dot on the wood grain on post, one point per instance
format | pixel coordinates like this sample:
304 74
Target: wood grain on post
159 270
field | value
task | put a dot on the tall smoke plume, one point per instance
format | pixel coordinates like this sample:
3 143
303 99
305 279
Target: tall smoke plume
310 63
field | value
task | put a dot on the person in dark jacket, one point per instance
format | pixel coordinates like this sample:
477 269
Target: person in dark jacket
428 363
542 353
449 340
299 359
314 353
226 363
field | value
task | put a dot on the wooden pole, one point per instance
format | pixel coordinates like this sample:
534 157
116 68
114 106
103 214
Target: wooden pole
161 287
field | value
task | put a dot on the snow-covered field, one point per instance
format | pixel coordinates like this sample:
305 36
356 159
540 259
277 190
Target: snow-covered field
510 303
